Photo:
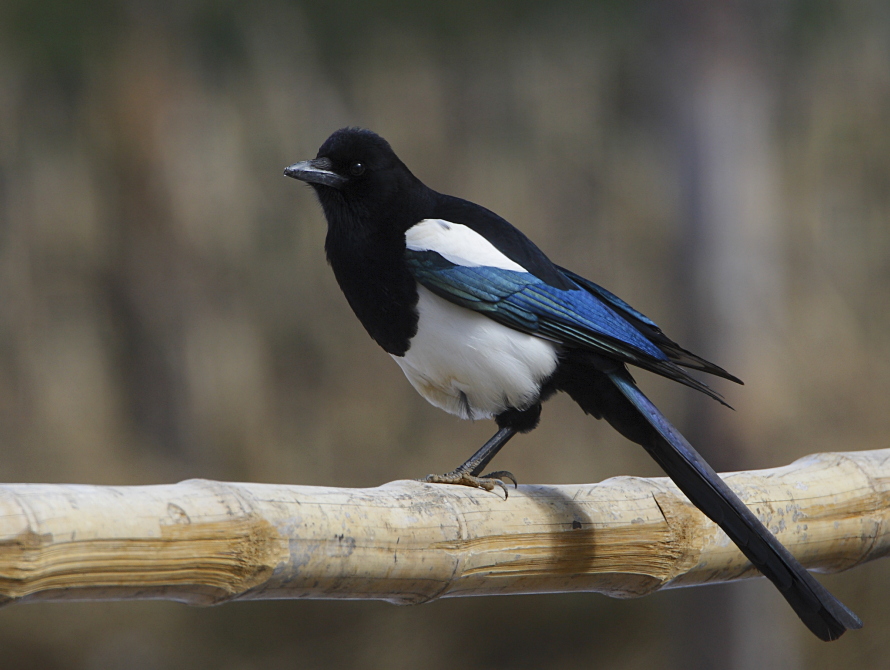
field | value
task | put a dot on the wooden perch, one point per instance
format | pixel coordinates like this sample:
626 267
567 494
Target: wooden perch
205 542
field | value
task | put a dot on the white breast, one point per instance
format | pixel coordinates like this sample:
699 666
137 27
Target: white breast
471 366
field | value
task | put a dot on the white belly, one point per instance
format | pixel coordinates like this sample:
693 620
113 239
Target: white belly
471 366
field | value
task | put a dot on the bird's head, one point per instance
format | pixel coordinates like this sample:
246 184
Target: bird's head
358 177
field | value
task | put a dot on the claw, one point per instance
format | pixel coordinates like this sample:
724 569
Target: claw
502 474
485 482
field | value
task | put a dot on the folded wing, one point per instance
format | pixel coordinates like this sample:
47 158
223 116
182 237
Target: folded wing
575 317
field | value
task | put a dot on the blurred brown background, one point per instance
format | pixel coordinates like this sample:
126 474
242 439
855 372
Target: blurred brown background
166 311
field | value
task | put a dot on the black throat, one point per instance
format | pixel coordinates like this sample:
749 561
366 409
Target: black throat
366 250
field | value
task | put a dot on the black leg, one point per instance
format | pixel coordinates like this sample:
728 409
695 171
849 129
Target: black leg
477 462
468 474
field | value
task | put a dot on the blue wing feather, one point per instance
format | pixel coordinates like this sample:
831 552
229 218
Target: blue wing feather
609 297
526 303
650 329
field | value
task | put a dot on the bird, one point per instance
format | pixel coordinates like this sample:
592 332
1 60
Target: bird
485 326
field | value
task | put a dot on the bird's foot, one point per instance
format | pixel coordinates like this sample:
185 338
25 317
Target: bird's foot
464 478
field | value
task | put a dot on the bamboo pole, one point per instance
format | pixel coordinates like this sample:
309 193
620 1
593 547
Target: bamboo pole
206 542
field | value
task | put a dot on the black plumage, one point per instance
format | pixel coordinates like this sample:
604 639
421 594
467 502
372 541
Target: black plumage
485 325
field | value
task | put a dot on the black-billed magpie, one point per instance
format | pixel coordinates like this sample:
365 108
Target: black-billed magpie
484 325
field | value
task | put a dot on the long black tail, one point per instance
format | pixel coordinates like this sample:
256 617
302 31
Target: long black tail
613 395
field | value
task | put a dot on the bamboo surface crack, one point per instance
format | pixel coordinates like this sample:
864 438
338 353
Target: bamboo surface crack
204 542
877 490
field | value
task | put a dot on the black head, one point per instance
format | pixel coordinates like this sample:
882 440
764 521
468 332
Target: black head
359 179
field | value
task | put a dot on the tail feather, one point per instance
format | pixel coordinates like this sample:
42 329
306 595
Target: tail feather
822 613
605 389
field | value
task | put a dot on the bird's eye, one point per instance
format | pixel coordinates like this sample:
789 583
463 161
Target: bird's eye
356 169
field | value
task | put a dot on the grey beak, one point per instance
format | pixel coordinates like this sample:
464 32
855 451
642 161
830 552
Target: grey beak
316 171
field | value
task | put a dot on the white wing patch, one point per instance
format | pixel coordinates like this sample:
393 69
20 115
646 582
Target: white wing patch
471 366
457 243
